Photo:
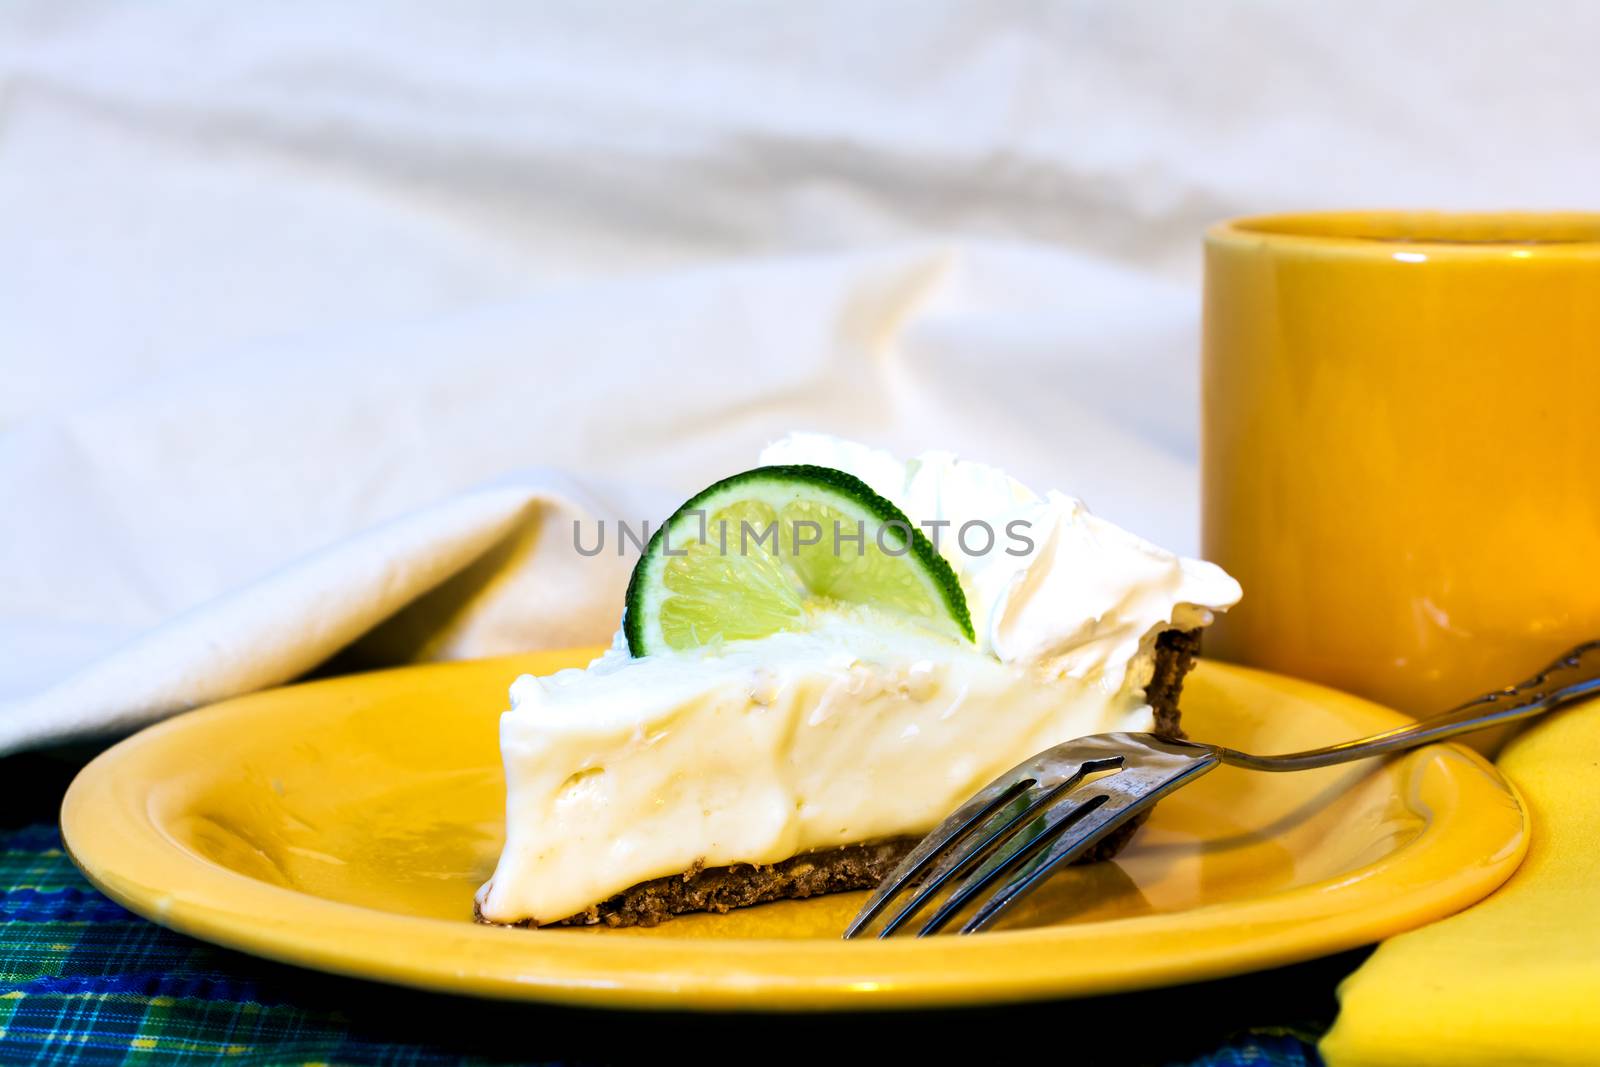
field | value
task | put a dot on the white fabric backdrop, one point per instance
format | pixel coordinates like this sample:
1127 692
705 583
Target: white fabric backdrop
309 309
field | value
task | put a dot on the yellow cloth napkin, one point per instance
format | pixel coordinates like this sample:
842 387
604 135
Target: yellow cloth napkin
1515 979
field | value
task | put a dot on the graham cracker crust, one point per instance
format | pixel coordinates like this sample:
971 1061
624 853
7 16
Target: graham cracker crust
849 867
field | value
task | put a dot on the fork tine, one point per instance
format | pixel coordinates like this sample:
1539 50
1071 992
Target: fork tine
932 863
966 818
969 853
1067 811
1130 795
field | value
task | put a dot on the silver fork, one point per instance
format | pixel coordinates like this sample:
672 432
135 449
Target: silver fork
1056 807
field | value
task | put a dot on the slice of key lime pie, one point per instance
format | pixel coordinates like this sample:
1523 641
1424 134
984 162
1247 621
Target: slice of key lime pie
819 660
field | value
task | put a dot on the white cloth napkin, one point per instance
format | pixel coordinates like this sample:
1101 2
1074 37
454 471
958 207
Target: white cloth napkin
320 324
232 527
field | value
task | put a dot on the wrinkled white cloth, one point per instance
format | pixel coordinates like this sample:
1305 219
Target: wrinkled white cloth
321 324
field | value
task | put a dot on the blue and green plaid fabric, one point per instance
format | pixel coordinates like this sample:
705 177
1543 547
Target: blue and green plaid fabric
83 981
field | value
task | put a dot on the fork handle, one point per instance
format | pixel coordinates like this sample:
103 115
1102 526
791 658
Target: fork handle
1572 677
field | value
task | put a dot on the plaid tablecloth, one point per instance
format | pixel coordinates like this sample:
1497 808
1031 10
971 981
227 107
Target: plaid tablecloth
84 981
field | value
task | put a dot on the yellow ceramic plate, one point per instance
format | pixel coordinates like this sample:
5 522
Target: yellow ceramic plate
345 824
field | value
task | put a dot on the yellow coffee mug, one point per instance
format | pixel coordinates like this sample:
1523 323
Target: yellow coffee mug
1401 446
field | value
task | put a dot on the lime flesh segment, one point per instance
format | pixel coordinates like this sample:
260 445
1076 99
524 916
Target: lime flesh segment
714 595
774 548
849 566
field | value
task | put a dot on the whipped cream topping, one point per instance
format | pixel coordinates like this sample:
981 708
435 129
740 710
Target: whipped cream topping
1086 600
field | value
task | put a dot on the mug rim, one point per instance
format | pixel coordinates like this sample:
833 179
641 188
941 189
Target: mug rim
1383 233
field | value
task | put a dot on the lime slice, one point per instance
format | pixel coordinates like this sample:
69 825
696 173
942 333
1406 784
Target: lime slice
775 548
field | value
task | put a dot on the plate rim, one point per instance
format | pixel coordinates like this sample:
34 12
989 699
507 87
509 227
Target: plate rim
123 851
